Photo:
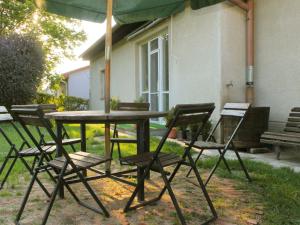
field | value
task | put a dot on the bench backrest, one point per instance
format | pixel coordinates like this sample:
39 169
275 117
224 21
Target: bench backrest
293 123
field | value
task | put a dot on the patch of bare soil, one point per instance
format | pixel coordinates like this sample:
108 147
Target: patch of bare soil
234 206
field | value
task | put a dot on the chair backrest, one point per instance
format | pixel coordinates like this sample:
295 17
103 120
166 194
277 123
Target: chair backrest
34 116
132 106
46 108
293 123
236 110
30 115
188 114
5 115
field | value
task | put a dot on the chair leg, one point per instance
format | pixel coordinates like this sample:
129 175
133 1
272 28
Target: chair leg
119 153
25 199
34 162
90 190
73 148
37 179
243 166
8 172
71 191
215 167
170 179
6 160
54 193
137 188
225 161
112 149
200 153
211 206
171 193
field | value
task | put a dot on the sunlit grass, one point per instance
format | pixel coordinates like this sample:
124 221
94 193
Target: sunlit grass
278 189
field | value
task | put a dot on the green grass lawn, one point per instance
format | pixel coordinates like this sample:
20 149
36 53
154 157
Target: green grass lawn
278 189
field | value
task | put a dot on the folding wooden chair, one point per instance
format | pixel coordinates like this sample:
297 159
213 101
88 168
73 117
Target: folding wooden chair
237 110
64 167
125 106
23 151
183 115
47 108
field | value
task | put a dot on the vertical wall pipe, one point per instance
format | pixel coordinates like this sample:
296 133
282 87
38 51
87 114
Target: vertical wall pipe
250 53
249 8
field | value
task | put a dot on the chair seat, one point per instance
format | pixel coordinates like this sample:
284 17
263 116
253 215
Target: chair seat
123 140
143 160
82 160
66 141
35 151
206 145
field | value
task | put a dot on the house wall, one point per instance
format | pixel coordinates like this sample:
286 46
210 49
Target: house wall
123 82
78 84
190 81
207 57
277 57
233 53
195 58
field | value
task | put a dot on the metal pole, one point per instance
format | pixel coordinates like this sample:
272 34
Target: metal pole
250 53
108 45
249 8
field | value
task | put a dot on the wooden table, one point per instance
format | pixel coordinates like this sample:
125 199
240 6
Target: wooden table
140 118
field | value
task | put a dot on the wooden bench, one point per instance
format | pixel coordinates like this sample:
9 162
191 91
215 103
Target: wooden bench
289 137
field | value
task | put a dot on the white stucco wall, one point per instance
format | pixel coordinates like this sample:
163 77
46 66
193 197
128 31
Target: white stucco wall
277 56
195 56
233 53
123 82
78 84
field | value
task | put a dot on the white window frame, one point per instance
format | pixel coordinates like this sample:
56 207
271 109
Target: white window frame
160 92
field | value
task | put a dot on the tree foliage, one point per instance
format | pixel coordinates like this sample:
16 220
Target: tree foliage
21 69
58 35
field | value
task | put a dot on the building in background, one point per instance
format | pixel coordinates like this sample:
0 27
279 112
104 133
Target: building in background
77 83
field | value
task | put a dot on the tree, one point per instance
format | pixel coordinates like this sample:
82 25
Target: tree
21 69
58 35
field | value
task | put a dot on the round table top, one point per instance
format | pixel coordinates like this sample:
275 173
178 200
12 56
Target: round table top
101 116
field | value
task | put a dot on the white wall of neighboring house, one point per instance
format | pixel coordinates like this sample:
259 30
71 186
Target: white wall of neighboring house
78 83
207 58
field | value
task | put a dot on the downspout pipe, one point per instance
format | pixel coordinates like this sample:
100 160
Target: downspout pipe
250 53
249 8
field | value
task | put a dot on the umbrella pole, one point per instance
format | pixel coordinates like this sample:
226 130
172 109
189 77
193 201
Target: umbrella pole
108 45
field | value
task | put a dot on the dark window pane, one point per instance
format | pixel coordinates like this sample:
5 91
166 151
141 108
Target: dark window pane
144 65
154 44
154 72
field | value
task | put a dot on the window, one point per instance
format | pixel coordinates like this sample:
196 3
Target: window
102 84
154 71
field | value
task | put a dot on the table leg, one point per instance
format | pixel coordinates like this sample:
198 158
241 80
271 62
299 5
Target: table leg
59 128
143 145
83 140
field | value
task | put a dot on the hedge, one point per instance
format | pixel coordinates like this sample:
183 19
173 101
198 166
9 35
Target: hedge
68 103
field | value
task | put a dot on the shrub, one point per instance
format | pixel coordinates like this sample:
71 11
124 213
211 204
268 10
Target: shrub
114 102
68 103
21 69
73 103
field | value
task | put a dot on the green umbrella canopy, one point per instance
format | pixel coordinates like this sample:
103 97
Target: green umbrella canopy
124 11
